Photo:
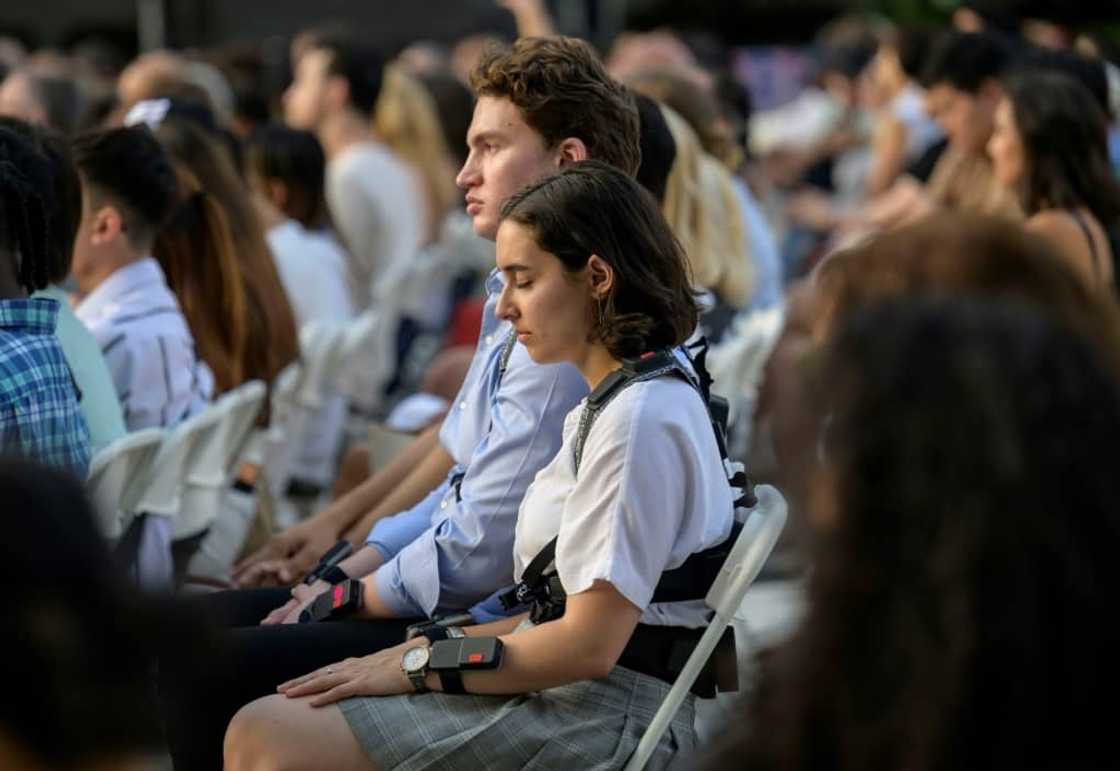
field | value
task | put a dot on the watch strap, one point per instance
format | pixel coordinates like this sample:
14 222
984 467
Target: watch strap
451 681
419 680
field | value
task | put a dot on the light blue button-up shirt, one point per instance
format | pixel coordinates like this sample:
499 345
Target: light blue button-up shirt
452 550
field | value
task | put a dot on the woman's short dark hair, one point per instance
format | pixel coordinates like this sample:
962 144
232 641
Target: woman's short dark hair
959 604
593 208
295 158
1064 134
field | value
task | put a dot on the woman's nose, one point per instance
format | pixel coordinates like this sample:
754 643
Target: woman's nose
505 309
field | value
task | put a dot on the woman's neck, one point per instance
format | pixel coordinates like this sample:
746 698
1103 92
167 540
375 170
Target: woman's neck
596 363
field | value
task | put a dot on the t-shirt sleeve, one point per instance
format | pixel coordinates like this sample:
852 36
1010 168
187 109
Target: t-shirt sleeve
622 518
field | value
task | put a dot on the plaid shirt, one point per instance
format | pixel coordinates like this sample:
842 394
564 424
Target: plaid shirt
39 414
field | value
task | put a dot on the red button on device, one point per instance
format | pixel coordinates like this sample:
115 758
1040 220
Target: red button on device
337 595
474 658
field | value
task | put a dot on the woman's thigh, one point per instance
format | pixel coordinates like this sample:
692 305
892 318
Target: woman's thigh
277 732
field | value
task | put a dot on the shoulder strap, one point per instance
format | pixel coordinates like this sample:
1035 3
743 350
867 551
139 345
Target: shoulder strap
632 371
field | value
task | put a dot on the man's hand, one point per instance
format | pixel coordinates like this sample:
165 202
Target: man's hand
302 596
287 556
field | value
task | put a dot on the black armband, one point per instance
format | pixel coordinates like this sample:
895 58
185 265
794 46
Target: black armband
337 602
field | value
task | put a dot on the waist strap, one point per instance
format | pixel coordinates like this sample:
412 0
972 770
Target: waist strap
662 651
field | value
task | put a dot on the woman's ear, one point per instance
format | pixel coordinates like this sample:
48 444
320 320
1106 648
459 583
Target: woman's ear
600 276
572 150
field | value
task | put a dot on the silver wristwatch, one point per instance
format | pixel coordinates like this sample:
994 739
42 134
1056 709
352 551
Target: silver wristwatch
414 663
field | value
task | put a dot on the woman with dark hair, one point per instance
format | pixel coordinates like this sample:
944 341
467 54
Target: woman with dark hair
272 325
199 257
967 515
594 277
1050 146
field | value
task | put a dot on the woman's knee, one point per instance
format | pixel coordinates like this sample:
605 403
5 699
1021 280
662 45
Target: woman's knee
255 737
281 734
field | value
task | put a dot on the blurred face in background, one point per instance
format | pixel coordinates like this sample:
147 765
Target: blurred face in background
1006 147
17 100
965 117
305 101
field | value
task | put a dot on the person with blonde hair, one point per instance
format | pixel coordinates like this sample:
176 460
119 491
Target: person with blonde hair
701 207
407 121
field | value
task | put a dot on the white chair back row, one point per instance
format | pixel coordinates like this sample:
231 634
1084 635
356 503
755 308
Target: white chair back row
177 473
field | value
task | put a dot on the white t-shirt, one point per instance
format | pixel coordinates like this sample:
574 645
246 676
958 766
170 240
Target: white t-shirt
313 270
651 491
378 208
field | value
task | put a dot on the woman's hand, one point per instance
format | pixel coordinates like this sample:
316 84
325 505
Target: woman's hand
379 674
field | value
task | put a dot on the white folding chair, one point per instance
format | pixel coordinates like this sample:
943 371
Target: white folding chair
736 364
210 470
366 357
115 475
760 532
384 445
298 395
161 497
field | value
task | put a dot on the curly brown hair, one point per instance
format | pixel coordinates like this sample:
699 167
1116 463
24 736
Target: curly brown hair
562 90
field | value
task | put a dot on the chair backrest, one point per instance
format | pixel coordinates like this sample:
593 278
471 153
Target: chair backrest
320 344
209 470
757 539
114 474
162 490
736 364
366 357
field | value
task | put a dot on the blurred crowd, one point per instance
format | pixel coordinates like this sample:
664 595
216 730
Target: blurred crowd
906 269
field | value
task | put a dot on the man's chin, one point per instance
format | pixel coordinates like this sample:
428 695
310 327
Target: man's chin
485 229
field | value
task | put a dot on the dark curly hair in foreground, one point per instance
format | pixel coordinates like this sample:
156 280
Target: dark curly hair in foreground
959 608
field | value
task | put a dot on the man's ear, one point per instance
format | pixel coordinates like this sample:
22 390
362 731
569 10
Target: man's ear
600 276
572 150
108 225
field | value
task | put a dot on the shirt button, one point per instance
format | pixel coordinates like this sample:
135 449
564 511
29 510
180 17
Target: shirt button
443 504
489 339
462 405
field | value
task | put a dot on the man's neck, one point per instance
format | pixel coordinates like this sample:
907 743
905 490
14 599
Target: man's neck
341 131
100 272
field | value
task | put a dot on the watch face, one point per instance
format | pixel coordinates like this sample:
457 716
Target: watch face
415 659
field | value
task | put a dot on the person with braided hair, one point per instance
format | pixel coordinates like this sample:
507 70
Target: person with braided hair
39 414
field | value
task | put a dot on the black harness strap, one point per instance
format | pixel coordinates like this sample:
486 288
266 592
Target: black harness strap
657 651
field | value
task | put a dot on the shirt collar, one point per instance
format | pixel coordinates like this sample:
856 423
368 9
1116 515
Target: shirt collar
495 282
143 273
35 315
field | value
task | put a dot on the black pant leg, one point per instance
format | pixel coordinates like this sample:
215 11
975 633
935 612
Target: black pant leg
200 697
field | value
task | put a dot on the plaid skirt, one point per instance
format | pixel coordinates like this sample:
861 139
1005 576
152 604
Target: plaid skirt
593 724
